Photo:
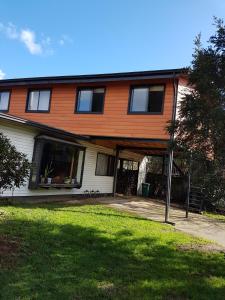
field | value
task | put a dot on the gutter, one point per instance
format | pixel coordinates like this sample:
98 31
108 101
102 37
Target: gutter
157 74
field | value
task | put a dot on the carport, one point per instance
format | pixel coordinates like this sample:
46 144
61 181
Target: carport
145 147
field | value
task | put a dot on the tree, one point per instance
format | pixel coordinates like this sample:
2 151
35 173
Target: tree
200 127
14 166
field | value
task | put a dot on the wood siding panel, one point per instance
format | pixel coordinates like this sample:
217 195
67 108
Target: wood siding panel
115 121
23 139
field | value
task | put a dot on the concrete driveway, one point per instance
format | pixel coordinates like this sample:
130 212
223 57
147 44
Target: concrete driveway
197 225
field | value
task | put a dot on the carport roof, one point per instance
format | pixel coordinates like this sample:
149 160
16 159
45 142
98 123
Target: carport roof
137 145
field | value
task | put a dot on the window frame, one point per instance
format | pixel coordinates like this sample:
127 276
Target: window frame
40 141
86 88
109 155
130 112
38 90
6 110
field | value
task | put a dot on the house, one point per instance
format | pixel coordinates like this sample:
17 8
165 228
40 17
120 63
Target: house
89 132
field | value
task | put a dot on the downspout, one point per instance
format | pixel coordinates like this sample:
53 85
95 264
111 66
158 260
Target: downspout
170 154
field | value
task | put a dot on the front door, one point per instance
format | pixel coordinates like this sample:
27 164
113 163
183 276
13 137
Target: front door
127 177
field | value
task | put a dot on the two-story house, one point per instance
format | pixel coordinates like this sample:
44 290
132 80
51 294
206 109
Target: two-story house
88 132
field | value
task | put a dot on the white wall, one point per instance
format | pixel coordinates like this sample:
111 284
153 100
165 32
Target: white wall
23 139
142 174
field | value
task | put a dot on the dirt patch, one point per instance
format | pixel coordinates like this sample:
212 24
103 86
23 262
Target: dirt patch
211 248
9 250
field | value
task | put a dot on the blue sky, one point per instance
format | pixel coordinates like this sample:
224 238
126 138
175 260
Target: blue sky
53 37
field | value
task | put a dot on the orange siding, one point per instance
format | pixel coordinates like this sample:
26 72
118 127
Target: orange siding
113 122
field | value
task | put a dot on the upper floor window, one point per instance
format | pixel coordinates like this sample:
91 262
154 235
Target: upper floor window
147 99
38 101
90 100
4 101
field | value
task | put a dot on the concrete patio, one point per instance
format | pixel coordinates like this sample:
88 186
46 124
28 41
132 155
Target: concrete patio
197 225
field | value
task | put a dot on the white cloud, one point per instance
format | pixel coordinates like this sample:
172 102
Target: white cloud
65 39
9 30
2 74
35 46
28 38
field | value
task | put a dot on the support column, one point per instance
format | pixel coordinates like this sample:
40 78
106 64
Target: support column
169 182
188 195
115 170
189 188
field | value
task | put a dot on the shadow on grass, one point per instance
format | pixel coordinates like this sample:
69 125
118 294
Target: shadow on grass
75 262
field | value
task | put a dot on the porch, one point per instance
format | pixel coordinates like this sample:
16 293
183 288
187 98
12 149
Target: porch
161 186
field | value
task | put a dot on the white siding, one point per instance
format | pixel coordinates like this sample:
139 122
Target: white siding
142 174
23 139
183 90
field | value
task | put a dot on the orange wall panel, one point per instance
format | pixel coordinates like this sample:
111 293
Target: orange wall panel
115 121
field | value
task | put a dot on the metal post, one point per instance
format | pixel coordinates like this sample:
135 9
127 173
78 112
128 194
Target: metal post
115 170
170 161
169 182
163 165
189 188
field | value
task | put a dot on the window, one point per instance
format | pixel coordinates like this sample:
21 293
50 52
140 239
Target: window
38 101
130 165
105 165
4 100
147 99
90 100
56 164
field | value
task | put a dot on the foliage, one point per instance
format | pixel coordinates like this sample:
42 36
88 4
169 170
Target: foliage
200 128
48 170
94 252
14 166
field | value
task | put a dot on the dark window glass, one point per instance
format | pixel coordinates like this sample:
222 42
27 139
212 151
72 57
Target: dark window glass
90 100
129 165
4 101
147 99
105 165
61 164
38 100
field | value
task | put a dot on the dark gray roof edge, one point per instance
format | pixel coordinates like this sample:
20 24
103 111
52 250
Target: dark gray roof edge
154 74
41 126
119 138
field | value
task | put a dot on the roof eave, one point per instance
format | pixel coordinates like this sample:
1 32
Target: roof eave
158 74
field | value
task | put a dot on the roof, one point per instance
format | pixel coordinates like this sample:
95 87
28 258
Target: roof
42 127
155 74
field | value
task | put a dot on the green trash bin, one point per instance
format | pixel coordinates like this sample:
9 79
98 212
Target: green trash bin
145 189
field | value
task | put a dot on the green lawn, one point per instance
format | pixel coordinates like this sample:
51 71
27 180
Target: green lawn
93 252
215 216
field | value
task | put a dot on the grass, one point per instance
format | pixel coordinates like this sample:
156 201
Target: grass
94 252
215 216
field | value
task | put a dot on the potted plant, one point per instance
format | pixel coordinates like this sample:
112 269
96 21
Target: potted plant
67 180
48 170
74 180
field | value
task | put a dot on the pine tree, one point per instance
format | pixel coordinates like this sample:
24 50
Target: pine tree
200 128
